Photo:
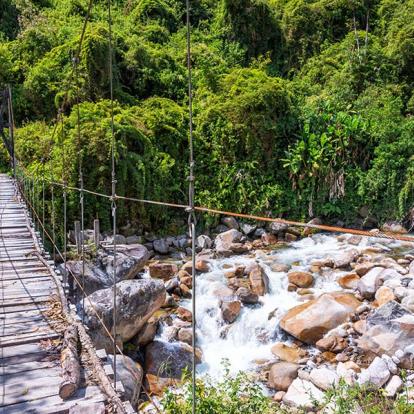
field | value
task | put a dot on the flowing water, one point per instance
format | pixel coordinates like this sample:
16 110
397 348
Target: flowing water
251 336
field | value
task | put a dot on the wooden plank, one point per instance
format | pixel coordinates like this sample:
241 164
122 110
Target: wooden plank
24 328
11 369
24 307
24 301
28 338
30 376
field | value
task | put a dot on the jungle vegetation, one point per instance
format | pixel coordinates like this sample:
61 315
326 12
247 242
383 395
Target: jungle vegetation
302 108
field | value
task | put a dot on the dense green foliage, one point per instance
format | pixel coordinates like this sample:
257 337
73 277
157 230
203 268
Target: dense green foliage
299 110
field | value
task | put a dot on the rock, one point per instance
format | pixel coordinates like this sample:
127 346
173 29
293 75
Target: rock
259 281
362 269
332 343
289 237
147 333
169 360
224 241
204 242
119 239
301 279
230 222
348 281
394 386
304 394
287 353
384 295
130 259
309 230
278 397
369 283
377 374
277 228
408 302
268 239
137 300
184 314
389 328
172 284
247 229
310 321
345 258
393 227
162 270
346 373
161 246
247 296
130 373
324 378
281 375
202 266
230 310
185 335
354 240
134 239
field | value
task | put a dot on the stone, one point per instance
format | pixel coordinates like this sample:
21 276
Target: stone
184 314
394 385
162 270
279 267
137 300
301 279
287 353
247 296
369 283
259 281
332 343
345 373
202 266
224 241
185 335
248 229
130 373
345 258
289 237
310 321
393 227
304 394
277 228
278 397
390 364
230 310
161 246
362 269
348 281
377 374
281 375
384 295
388 330
147 333
134 239
169 360
230 222
309 230
408 302
324 378
268 239
204 242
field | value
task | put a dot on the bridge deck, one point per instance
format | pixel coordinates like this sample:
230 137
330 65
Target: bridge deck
29 343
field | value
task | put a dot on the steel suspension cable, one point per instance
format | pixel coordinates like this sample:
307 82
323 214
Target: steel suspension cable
113 177
191 211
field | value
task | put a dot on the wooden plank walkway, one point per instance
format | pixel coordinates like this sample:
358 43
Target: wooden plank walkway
30 372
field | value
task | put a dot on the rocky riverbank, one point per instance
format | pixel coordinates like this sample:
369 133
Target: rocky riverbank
298 310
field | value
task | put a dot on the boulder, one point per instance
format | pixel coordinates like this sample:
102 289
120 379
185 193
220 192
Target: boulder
184 314
408 302
332 343
185 335
304 394
136 301
230 222
161 246
134 239
169 360
388 329
393 227
202 266
130 259
309 230
279 267
287 353
248 229
162 270
277 228
362 269
384 295
301 279
377 374
259 281
324 378
247 296
130 373
369 283
224 241
147 333
204 242
230 310
348 281
282 374
310 321
345 258
394 386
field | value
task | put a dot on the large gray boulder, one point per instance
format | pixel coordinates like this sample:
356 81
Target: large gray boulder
136 301
130 373
224 242
129 260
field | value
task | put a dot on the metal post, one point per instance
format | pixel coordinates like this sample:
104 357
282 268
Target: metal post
11 131
96 233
